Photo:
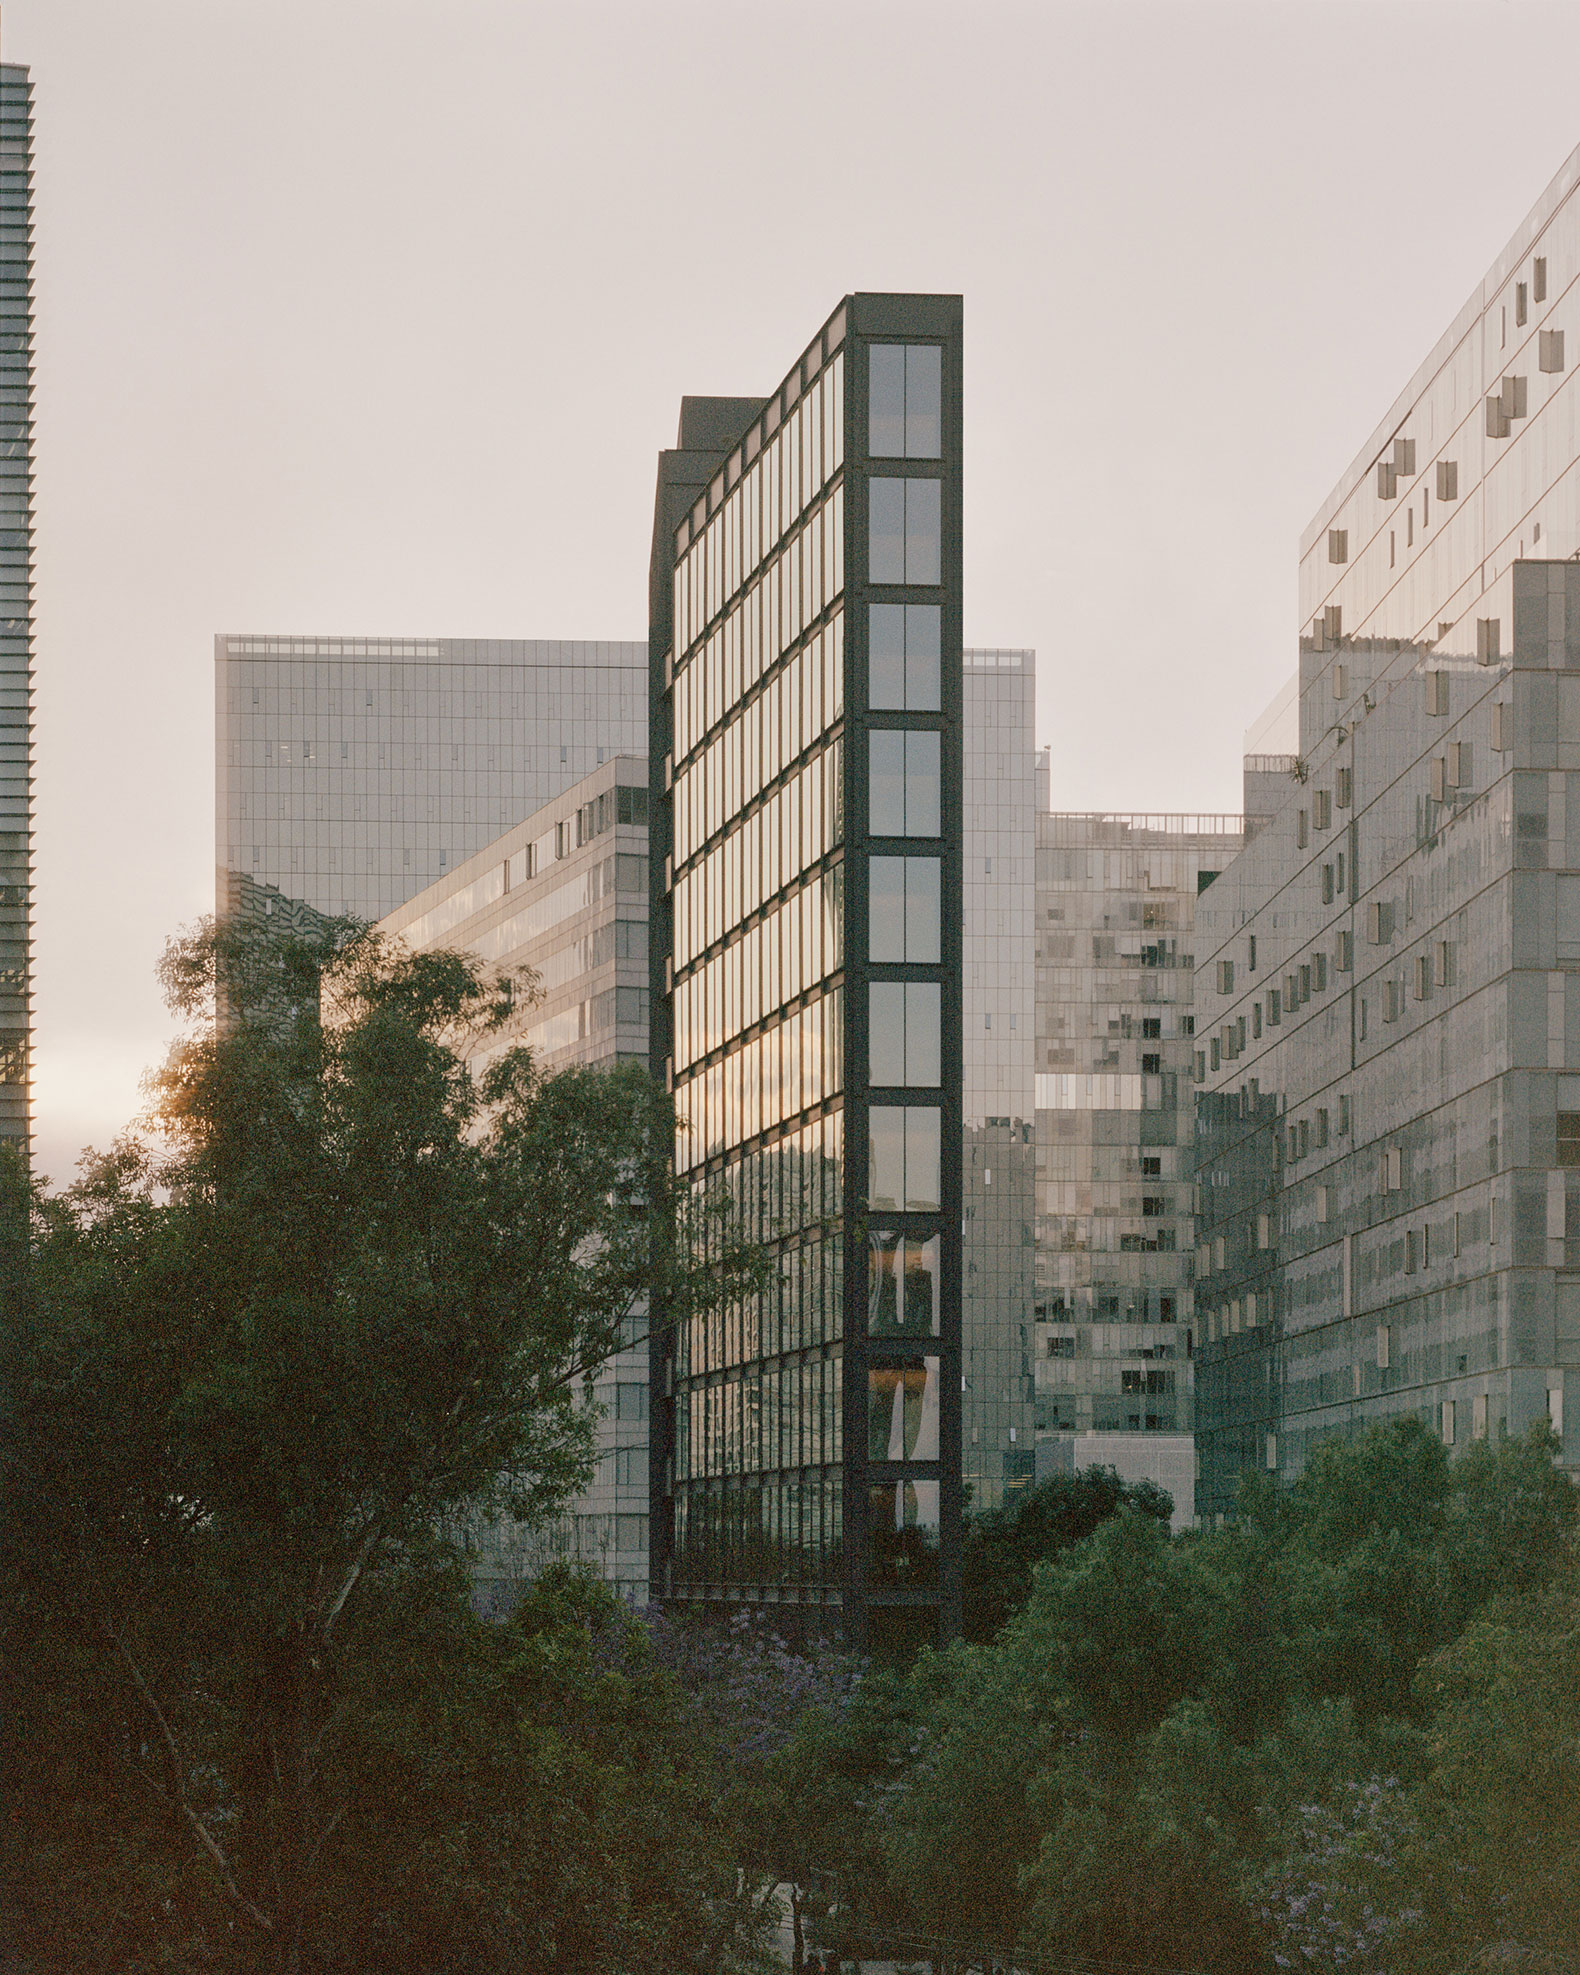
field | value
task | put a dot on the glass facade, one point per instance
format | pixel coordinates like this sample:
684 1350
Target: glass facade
1116 905
1385 1039
806 722
566 894
16 602
1000 1011
353 772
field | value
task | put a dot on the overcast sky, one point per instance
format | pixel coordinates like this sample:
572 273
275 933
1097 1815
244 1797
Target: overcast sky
371 318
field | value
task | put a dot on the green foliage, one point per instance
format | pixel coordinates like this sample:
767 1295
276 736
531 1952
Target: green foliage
1003 1545
1288 1738
339 1294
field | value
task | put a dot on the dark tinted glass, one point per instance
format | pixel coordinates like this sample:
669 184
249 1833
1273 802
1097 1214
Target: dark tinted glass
886 531
886 654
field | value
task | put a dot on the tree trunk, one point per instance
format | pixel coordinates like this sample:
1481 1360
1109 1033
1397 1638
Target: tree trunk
798 1941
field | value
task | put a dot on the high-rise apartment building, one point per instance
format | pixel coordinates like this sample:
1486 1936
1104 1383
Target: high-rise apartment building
565 893
16 603
1116 905
1389 1033
806 696
353 772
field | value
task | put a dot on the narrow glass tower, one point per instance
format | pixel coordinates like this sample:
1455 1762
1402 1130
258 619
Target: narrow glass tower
806 752
16 602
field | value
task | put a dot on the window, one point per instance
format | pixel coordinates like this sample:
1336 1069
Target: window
1502 727
1448 480
1384 1347
1488 640
1404 457
1061 1347
903 1033
1327 884
903 910
1344 787
904 531
904 783
902 1410
1344 952
1448 1421
630 1467
1497 417
902 656
902 1157
1274 1008
630 1402
1226 977
1264 1231
1322 1204
1436 692
1539 278
1387 480
1439 778
1250 953
905 401
1341 681
902 1532
1444 963
1522 305
1322 803
1338 545
1423 977
1550 350
1302 828
1152 1026
1569 1138
1459 764
1152 1065
1379 924
902 1284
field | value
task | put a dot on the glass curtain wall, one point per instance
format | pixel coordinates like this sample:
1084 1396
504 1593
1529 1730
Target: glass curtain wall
811 1023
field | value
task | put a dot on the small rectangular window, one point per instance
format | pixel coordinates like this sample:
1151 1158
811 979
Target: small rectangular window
1448 480
903 656
1322 1204
1275 1008
1488 640
904 414
1344 784
1522 305
1497 417
1569 1138
1444 963
904 530
1327 884
1322 806
1439 778
1539 278
1387 480
1226 977
1302 828
1338 545
1344 952
1513 394
1436 692
1341 681
1501 727
1550 354
1384 1347
1404 457
1459 764
1423 977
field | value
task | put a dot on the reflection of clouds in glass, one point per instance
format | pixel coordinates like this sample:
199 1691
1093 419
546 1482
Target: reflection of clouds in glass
902 1411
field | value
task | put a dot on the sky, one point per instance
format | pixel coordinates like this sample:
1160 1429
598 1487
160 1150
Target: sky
370 318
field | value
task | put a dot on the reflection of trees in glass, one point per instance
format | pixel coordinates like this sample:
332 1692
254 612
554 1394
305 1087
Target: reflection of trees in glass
902 1284
902 1532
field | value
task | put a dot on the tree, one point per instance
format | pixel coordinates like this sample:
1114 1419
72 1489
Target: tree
1003 1545
339 1293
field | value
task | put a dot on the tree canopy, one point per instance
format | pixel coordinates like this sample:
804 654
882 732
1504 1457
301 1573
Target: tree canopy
337 1292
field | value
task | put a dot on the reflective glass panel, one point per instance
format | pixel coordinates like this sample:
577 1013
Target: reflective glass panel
922 936
886 901
886 1156
886 654
923 531
886 401
923 400
886 761
886 530
922 789
902 1411
921 1159
902 1532
902 1284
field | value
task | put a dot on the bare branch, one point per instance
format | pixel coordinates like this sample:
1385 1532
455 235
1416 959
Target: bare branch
200 1830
